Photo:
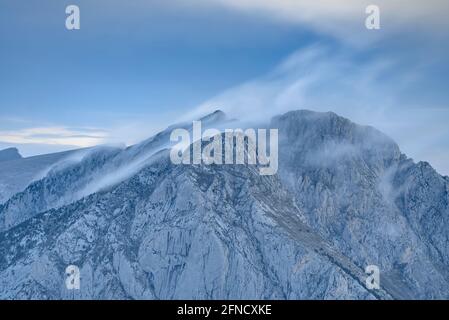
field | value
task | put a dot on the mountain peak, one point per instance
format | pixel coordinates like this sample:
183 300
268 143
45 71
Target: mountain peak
9 154
217 115
328 125
326 133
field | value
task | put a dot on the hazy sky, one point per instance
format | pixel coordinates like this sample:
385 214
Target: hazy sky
136 66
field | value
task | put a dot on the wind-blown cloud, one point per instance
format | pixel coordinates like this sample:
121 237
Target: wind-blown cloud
372 93
316 77
377 90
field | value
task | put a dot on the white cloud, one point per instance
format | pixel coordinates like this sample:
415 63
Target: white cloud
345 19
76 137
320 79
315 77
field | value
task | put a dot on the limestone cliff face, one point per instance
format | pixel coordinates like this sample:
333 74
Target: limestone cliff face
140 227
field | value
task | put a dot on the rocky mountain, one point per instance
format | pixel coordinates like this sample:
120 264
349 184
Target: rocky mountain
17 173
9 154
140 227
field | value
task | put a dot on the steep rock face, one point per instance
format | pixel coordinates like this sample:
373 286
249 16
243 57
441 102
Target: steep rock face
422 195
344 198
174 232
16 175
349 182
58 187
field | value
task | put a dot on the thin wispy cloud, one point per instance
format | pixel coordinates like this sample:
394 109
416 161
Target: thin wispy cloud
345 19
315 77
77 137
320 79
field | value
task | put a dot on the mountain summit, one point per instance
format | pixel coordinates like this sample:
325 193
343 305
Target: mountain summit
139 227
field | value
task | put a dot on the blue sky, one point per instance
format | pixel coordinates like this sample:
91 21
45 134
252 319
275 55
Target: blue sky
134 68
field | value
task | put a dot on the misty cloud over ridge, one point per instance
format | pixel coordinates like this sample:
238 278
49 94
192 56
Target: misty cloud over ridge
322 79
